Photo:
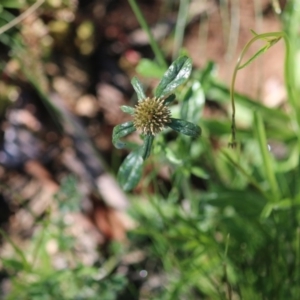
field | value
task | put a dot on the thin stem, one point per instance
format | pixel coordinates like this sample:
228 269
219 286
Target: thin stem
229 289
262 140
203 34
18 250
225 20
251 180
273 38
180 26
234 29
141 19
21 17
276 6
40 240
297 264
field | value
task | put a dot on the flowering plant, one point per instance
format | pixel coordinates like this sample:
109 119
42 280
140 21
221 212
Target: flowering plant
150 116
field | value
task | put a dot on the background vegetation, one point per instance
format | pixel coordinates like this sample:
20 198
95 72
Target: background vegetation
210 222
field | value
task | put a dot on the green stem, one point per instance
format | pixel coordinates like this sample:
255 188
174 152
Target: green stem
271 38
141 19
266 158
229 289
297 264
180 26
18 250
251 180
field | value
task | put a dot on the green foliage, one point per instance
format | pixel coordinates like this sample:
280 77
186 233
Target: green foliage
130 171
68 197
154 118
32 271
176 75
12 3
121 131
225 224
234 231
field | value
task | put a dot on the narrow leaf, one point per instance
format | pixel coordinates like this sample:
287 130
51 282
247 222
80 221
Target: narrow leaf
17 249
199 172
185 127
193 103
258 53
127 109
138 88
268 163
146 148
130 171
177 74
121 131
12 3
169 99
12 264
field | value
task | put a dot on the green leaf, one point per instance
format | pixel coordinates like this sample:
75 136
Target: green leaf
138 88
169 99
146 148
130 171
121 131
171 156
177 74
148 68
12 3
258 53
193 103
127 109
12 264
199 172
185 127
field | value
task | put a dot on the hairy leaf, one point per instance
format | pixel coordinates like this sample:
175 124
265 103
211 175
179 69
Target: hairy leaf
138 88
193 103
121 131
185 127
146 148
169 99
130 171
127 109
177 74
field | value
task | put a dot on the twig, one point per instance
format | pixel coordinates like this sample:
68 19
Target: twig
21 17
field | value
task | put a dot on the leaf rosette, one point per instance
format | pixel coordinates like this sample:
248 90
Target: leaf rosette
150 116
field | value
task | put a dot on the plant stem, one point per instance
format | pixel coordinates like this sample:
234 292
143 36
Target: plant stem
22 16
141 19
18 250
180 26
263 144
234 29
251 180
271 38
229 289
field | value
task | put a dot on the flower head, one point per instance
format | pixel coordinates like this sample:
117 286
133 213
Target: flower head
151 115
